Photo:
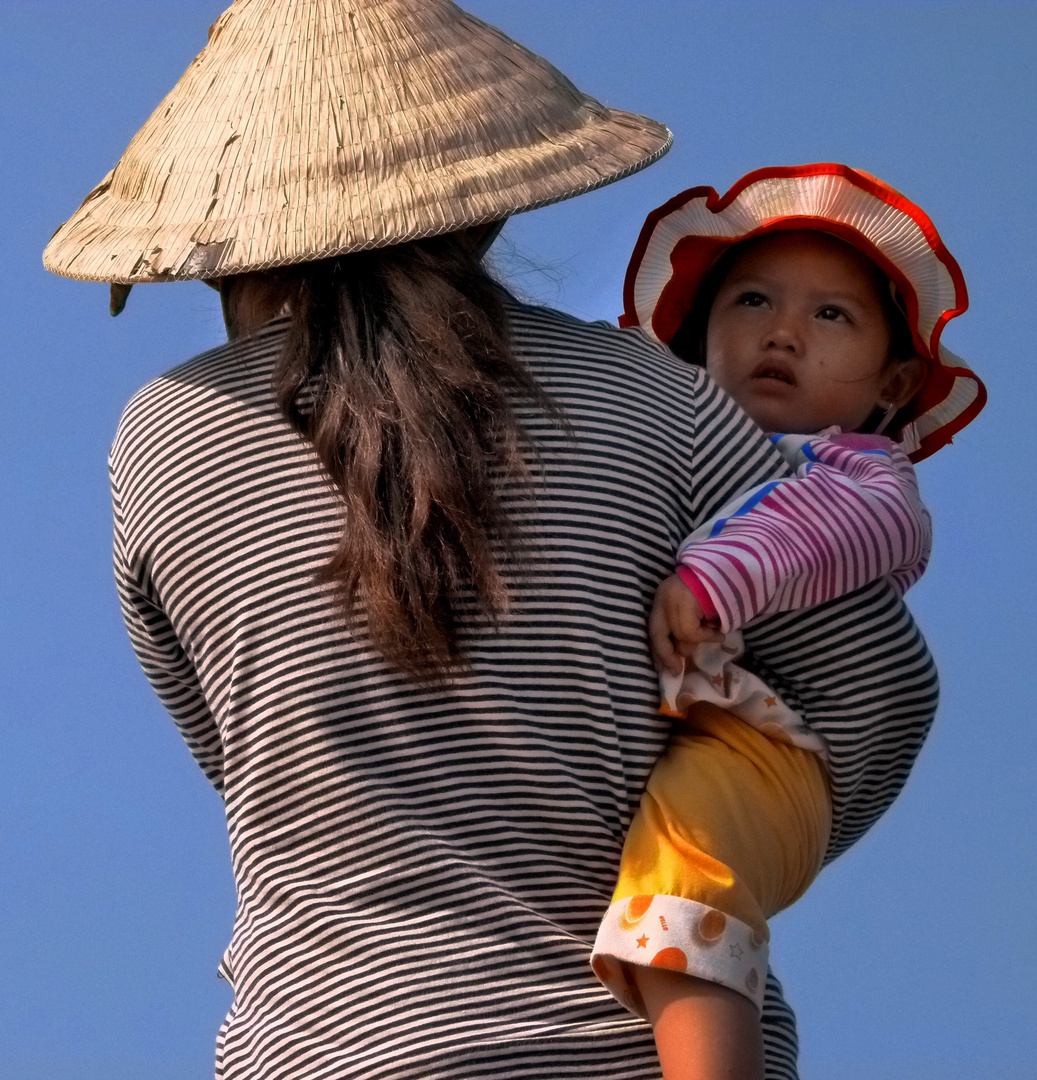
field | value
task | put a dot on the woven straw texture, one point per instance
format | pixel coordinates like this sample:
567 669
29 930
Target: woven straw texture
310 128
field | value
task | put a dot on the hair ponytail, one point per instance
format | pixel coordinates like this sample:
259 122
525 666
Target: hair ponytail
399 368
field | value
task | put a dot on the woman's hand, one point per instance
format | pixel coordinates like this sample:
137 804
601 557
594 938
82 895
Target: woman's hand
676 625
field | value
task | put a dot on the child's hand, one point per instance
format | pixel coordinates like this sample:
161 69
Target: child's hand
676 625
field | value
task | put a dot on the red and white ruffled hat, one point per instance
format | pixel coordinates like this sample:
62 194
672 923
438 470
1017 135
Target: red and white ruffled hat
682 239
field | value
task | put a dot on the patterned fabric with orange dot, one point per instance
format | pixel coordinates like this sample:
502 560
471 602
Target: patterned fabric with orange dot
731 829
680 935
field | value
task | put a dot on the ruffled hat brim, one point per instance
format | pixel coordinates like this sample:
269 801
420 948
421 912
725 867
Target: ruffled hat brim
682 239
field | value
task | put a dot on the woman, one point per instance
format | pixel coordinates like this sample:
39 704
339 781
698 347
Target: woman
364 549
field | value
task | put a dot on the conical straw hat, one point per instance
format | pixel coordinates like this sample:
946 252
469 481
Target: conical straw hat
311 128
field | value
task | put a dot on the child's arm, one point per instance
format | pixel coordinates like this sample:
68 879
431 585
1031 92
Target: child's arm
851 516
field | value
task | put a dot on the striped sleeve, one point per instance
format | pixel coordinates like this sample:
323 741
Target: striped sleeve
851 515
161 655
780 1038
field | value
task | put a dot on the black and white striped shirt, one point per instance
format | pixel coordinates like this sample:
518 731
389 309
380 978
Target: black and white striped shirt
420 873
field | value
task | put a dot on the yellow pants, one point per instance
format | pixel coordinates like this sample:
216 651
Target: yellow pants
732 828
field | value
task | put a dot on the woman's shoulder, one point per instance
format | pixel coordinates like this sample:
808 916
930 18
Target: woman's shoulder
621 391
544 332
212 391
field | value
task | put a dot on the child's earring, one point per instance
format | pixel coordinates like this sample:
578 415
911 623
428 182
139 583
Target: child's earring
891 411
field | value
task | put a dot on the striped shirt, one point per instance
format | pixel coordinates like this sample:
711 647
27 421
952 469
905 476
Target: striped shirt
421 872
851 514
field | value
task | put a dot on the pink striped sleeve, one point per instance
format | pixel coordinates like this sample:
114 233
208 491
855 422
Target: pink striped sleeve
852 514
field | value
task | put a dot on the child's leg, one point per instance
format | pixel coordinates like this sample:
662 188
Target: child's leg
732 828
702 1031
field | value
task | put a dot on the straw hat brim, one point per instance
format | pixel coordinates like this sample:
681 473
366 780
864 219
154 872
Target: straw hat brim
306 130
683 239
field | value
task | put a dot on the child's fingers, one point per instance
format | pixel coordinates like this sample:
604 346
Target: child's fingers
710 630
664 654
689 648
686 643
690 637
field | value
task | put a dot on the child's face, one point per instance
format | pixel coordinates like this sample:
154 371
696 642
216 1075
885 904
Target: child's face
798 334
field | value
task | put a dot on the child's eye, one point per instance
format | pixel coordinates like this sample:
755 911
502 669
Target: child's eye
752 299
831 314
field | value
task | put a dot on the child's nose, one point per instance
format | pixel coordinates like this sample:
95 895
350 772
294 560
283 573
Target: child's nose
783 333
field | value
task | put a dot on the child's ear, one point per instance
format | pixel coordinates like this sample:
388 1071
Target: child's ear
903 380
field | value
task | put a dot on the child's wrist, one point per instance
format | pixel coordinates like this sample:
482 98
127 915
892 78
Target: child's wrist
691 579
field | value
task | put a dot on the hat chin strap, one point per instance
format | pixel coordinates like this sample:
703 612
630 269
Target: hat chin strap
486 235
891 411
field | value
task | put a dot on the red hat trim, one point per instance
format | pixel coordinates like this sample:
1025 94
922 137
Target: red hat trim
682 239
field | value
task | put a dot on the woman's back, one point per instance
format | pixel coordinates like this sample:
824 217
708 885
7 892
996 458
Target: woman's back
420 870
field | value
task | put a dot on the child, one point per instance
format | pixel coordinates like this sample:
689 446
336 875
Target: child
816 296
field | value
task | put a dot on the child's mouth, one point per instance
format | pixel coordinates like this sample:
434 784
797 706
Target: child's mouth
777 372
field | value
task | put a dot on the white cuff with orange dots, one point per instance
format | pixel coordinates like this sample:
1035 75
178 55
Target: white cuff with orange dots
679 935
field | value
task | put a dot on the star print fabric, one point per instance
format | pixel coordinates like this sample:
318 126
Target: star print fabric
712 674
679 935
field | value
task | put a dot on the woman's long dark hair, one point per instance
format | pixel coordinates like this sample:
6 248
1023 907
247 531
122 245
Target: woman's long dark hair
399 368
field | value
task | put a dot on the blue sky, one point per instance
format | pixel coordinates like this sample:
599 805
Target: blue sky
913 955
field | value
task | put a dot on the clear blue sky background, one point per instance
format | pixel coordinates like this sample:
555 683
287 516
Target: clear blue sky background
914 955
